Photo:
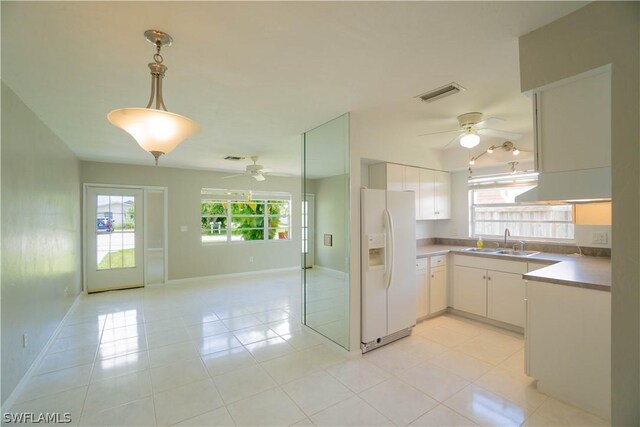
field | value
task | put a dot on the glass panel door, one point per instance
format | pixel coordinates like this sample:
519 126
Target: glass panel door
114 238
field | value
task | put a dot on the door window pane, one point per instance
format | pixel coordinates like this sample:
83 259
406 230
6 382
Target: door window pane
115 232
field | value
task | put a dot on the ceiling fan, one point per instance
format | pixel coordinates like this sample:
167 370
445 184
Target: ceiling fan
472 126
255 171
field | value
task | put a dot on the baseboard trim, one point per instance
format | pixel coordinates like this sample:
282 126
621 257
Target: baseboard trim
331 270
486 320
27 375
228 275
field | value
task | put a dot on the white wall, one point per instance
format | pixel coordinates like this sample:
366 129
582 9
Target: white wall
40 235
598 34
331 218
188 257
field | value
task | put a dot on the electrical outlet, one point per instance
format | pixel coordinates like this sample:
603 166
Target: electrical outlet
250 259
25 340
183 228
66 292
600 237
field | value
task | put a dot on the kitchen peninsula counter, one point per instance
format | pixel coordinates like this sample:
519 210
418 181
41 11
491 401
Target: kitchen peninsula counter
569 270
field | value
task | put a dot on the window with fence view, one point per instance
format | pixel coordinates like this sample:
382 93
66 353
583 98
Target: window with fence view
493 209
235 215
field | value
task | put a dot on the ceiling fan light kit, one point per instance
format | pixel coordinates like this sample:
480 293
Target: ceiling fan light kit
472 126
469 140
254 170
155 129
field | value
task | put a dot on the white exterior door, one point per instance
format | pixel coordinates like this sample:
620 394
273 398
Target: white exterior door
113 238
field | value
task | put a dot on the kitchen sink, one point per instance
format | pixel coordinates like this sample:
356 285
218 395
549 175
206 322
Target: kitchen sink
497 251
483 250
515 252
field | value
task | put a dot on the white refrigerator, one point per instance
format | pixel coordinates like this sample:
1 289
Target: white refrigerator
388 246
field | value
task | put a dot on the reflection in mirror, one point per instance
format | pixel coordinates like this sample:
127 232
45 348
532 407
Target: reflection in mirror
325 229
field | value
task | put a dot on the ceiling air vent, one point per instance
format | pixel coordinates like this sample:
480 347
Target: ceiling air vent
233 158
450 89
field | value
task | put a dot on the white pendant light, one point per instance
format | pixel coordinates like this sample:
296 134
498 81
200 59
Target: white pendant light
156 130
469 139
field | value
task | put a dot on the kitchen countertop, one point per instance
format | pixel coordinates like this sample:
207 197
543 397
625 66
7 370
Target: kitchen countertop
569 270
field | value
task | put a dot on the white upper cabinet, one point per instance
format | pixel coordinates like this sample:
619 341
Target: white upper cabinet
573 123
427 194
432 188
442 194
412 183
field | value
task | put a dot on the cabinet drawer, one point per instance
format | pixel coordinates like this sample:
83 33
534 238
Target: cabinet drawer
422 263
438 260
491 264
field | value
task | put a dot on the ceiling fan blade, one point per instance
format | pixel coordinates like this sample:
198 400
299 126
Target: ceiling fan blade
457 138
499 133
266 170
489 121
438 133
233 176
258 177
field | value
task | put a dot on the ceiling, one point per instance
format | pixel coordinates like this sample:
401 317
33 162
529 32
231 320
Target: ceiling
255 75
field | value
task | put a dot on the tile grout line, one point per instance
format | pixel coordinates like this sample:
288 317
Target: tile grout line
84 402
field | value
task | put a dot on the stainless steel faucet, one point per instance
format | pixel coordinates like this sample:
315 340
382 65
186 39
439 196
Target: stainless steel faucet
507 233
522 243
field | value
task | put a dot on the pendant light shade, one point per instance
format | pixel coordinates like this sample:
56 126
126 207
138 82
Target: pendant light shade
156 130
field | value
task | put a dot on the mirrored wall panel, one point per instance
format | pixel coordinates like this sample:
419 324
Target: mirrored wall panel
325 229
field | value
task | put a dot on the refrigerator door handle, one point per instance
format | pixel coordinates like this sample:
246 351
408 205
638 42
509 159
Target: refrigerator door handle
389 226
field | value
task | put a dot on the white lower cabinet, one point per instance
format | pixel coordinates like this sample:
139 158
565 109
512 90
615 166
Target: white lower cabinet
422 283
506 297
431 280
492 288
470 290
438 289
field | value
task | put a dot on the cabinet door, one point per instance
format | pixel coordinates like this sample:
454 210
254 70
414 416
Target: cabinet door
395 177
506 297
470 290
422 305
442 194
427 194
575 123
412 183
437 296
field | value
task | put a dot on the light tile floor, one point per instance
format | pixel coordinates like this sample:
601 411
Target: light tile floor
233 352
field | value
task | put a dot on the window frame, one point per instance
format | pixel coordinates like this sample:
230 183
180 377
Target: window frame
229 197
503 182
